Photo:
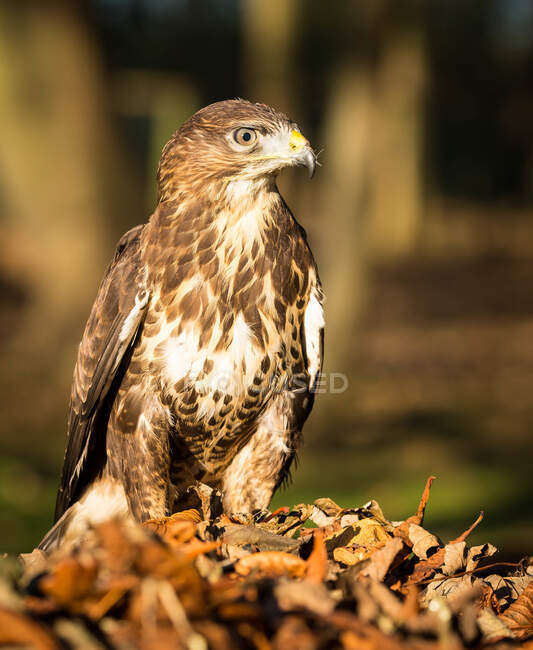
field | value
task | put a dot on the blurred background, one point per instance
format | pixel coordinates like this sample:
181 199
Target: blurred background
421 219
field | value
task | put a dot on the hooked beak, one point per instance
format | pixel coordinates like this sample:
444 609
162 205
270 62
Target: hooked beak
302 152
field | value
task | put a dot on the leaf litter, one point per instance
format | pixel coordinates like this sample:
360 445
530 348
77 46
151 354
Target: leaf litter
312 576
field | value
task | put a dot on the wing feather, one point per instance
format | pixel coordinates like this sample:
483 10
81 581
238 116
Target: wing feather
113 324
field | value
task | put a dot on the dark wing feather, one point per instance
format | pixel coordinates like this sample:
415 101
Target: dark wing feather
103 354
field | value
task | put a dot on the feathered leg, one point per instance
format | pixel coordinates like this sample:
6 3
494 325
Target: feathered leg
261 465
138 453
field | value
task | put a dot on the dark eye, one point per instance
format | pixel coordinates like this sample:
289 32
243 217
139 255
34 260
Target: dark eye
245 137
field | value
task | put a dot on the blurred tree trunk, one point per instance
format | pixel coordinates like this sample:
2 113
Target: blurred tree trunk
371 195
269 30
166 99
343 205
396 184
64 187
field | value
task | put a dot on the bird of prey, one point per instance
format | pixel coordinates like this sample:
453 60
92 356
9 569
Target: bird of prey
200 358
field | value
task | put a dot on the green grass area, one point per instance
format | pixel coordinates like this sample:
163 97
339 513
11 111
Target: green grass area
27 501
461 491
394 475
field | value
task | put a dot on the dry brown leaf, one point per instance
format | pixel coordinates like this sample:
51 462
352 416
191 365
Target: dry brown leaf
256 536
492 627
175 529
311 596
217 636
370 510
422 542
188 515
451 589
370 533
366 532
119 549
351 556
519 616
294 633
327 531
506 589
157 592
454 558
402 530
17 629
449 557
70 579
363 636
382 559
317 563
320 518
196 548
278 511
478 553
272 563
287 522
328 506
116 589
255 636
239 611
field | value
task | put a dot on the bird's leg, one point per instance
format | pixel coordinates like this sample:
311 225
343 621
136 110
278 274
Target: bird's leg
138 454
261 465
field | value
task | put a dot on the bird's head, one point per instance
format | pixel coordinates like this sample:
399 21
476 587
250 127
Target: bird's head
233 140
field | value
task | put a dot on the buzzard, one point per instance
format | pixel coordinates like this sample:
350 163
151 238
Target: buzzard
203 348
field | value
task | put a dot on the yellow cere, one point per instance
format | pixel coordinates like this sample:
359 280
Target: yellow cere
297 140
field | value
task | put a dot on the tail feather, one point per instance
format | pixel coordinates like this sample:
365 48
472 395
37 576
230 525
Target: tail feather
51 541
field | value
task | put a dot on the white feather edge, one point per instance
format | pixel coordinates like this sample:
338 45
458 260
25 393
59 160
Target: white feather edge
313 325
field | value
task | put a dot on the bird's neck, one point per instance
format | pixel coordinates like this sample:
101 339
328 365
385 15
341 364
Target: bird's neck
234 220
236 208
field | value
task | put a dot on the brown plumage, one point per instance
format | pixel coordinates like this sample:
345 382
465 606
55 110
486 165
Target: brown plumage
204 343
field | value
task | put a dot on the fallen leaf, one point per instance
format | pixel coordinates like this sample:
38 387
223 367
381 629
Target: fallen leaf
351 556
507 589
382 559
175 529
294 633
519 615
492 627
317 563
256 536
70 579
402 529
313 597
422 542
478 553
328 506
285 522
454 558
271 563
17 629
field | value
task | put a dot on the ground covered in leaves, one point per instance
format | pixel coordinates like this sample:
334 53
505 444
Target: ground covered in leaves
314 576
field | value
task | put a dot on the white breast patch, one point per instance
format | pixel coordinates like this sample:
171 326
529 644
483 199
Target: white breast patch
185 359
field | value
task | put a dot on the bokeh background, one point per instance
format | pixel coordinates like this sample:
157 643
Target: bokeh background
421 218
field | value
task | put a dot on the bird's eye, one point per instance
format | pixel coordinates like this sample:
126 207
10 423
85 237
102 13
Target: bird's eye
245 137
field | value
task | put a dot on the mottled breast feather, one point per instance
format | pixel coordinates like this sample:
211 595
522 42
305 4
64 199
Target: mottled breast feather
225 328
